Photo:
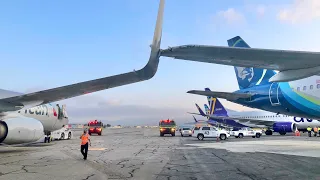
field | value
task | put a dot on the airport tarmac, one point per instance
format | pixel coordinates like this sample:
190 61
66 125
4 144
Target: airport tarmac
133 153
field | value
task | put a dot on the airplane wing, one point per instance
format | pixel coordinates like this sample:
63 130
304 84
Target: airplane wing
289 63
224 95
241 120
50 95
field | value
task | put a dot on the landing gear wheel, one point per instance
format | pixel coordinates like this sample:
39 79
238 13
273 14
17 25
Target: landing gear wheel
268 132
282 133
240 136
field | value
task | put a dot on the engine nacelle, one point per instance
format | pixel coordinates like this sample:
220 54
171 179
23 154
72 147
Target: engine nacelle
284 127
20 130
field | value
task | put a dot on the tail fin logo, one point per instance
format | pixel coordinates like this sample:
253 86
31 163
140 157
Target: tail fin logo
212 105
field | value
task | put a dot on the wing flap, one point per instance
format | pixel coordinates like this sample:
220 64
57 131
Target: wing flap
245 57
224 95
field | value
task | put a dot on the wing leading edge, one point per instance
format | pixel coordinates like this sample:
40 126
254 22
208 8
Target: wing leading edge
292 65
46 96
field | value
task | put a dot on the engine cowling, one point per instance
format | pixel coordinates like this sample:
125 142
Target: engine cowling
284 127
20 130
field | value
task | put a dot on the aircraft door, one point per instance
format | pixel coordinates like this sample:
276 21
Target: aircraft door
274 94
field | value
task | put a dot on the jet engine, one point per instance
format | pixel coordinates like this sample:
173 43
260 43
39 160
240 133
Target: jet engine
20 130
284 127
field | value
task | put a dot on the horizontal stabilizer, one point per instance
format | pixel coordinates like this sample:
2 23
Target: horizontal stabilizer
224 95
195 113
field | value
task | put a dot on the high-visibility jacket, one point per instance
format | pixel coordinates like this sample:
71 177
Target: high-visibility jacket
318 129
309 129
84 139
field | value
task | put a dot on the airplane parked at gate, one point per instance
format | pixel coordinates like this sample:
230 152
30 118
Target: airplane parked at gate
263 88
278 123
24 118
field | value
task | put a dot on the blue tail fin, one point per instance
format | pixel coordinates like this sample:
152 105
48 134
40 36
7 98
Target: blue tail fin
207 111
248 76
219 110
200 110
195 119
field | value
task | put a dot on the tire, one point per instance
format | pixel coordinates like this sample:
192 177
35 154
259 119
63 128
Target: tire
223 137
99 134
236 136
161 134
69 135
62 136
253 136
200 137
268 132
190 135
173 134
258 135
240 135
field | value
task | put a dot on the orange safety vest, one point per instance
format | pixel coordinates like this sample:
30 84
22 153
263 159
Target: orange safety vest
84 139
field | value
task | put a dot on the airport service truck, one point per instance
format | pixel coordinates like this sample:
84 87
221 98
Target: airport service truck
167 127
63 133
209 132
240 133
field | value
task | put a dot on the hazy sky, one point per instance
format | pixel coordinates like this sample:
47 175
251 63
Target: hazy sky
45 44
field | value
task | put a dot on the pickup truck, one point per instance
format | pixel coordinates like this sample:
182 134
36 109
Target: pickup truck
246 132
209 132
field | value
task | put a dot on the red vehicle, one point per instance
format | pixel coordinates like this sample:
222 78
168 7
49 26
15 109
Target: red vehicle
95 127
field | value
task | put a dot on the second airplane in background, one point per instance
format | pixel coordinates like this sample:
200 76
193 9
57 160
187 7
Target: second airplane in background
278 123
295 98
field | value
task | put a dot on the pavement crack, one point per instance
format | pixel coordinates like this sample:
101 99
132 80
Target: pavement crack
88 177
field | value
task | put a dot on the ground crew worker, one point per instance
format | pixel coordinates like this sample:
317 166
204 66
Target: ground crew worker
319 130
309 131
85 141
315 131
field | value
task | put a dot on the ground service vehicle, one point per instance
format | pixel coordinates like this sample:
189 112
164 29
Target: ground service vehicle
245 132
63 133
209 132
186 131
95 127
167 127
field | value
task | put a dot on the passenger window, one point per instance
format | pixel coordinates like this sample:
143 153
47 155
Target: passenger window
311 86
298 88
206 128
304 88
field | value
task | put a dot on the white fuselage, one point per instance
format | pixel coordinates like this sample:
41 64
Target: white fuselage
302 123
47 114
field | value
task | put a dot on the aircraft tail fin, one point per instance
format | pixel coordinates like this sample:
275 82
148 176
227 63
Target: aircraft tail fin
219 109
195 119
200 110
247 76
216 108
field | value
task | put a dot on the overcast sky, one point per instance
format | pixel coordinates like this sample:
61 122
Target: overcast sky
45 44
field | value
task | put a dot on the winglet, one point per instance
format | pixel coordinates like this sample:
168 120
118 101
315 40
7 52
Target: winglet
152 66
